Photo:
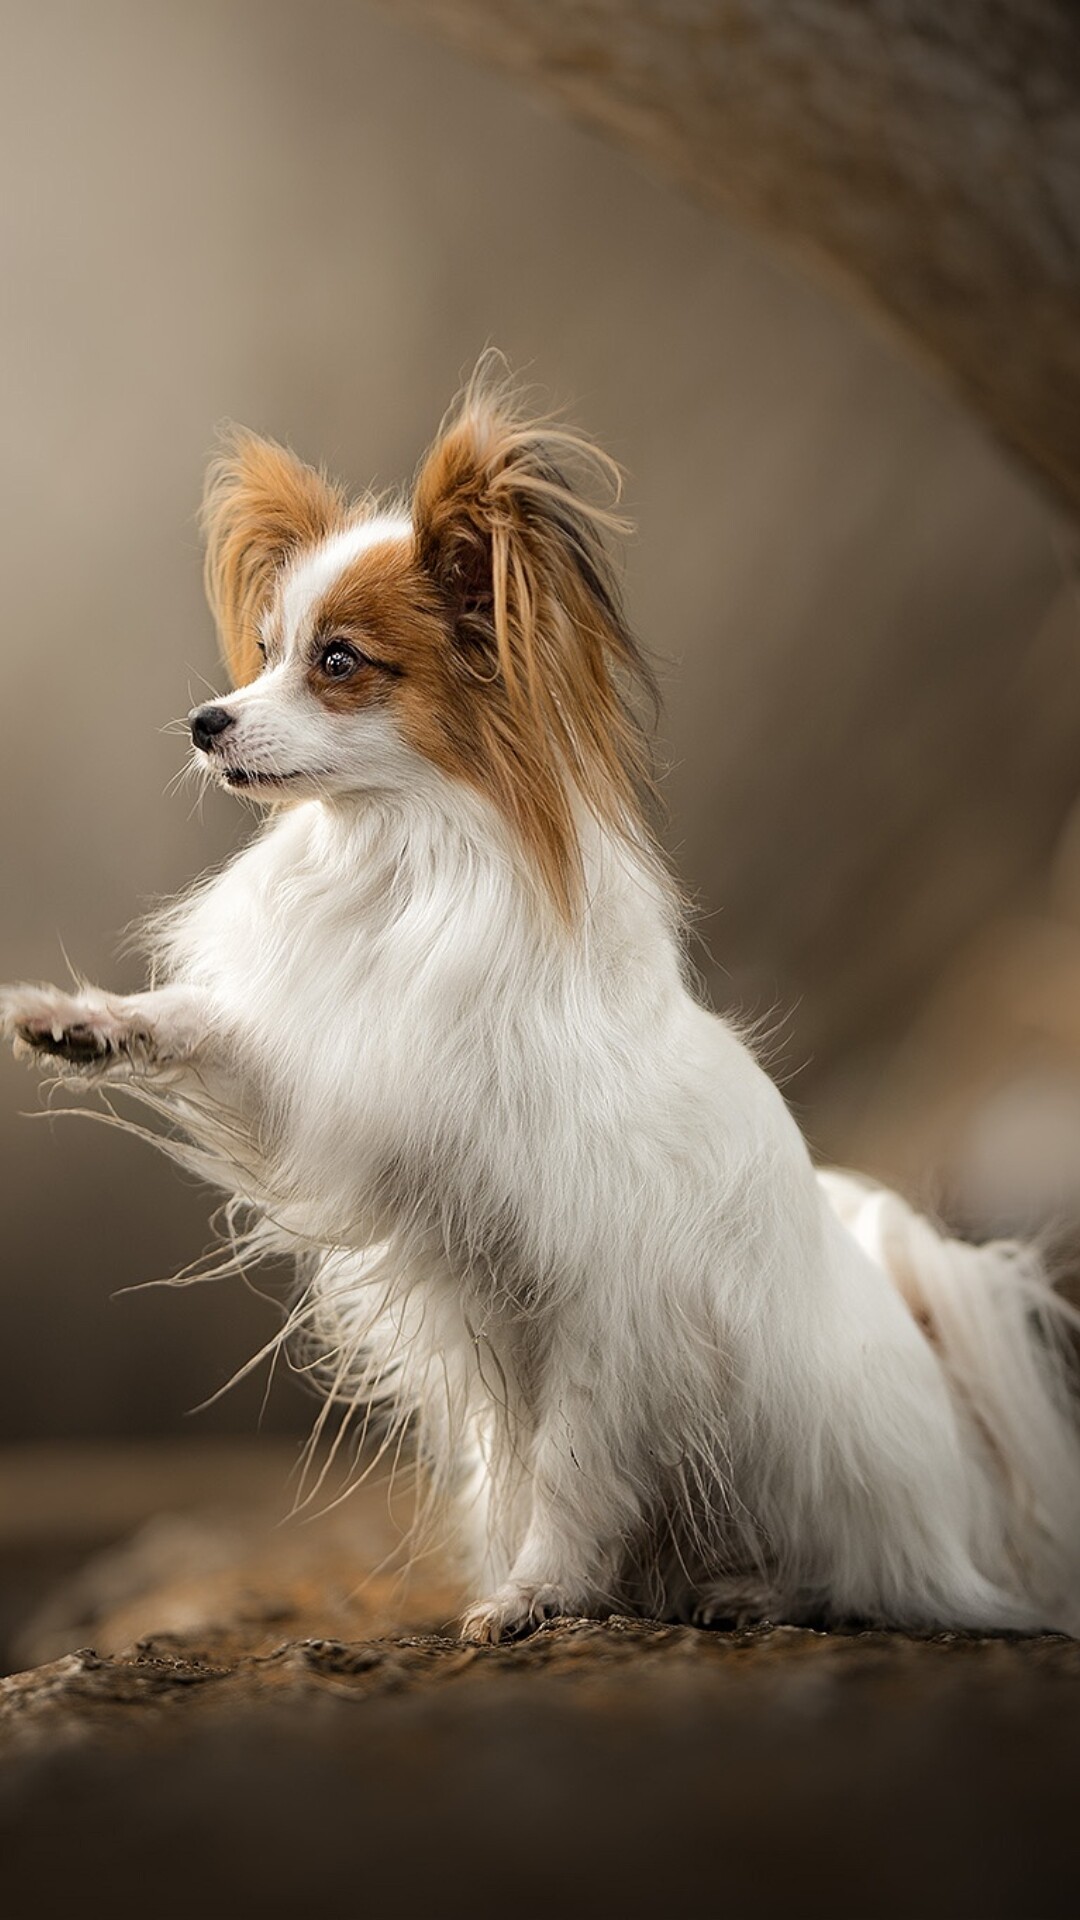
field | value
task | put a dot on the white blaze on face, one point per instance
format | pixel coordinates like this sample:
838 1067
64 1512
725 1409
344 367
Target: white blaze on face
315 572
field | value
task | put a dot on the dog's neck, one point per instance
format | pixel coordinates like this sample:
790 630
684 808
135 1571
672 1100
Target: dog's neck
454 858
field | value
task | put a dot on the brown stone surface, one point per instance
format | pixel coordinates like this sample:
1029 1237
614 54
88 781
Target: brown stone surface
272 1723
624 1768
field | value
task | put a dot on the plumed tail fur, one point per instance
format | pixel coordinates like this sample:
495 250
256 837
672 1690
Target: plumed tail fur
1002 1336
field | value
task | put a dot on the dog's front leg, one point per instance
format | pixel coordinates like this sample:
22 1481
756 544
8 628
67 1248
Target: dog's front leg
581 1512
127 1036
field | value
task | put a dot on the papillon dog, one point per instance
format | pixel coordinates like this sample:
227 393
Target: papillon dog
432 1030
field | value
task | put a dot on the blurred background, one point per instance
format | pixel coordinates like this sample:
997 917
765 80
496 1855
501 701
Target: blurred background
865 616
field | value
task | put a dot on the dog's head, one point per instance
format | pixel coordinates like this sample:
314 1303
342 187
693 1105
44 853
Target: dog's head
474 635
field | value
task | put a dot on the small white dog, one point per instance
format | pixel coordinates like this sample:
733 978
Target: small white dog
432 1028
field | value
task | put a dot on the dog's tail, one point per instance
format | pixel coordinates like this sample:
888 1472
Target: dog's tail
1004 1340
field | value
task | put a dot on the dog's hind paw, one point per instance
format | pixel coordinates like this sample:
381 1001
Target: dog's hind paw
737 1603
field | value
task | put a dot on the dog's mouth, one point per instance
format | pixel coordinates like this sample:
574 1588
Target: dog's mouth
252 777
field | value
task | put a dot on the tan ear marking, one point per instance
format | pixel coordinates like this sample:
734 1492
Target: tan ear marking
508 527
260 504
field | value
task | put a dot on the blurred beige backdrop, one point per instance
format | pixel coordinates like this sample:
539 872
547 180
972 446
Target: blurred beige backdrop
311 220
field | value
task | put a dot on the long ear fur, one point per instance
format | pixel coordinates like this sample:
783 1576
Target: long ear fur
508 530
260 504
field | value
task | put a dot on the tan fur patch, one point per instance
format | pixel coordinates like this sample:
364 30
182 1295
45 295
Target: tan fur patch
381 605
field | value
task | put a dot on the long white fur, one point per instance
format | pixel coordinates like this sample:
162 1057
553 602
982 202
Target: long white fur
553 1214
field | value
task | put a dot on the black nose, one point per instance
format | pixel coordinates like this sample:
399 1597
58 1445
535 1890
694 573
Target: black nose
207 723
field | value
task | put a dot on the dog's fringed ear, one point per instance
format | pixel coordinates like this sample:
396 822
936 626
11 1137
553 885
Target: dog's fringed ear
508 527
504 504
259 506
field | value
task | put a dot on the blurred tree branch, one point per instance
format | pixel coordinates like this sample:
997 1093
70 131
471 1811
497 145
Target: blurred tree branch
926 156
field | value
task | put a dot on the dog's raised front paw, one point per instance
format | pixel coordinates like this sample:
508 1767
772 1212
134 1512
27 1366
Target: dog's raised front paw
515 1610
78 1029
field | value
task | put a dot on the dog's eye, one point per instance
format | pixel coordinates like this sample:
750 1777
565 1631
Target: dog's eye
338 660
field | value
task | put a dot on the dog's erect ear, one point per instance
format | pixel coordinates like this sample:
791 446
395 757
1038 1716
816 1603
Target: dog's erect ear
260 505
453 513
508 527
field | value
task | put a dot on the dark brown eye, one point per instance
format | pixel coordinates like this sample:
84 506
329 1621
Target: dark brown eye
338 660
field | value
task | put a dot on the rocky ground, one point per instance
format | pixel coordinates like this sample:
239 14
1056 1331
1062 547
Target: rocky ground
262 1730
